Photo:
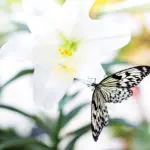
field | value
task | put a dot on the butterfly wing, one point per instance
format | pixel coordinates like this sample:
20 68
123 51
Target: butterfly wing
117 87
99 114
115 94
114 88
126 78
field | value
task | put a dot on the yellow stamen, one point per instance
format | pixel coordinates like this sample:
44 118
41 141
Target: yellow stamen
67 46
65 52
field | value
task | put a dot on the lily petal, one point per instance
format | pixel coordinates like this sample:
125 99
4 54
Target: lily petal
55 89
23 46
44 51
19 46
69 16
41 16
40 76
91 72
111 38
107 26
48 87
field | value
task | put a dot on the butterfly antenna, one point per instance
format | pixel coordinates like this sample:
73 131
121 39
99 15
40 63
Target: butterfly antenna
83 81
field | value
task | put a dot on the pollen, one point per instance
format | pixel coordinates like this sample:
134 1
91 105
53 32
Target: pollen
65 52
67 47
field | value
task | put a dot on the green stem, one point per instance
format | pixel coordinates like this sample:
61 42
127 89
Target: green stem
58 128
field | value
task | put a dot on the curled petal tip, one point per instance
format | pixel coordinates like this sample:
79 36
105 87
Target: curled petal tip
99 6
93 14
94 11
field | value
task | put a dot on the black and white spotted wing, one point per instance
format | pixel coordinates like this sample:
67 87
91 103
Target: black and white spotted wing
113 89
115 94
126 78
99 114
117 87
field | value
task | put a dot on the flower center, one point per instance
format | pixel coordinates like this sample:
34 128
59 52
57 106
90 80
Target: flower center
68 46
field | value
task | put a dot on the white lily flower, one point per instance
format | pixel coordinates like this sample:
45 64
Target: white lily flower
65 43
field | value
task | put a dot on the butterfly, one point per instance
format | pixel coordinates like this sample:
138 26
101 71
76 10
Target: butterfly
113 89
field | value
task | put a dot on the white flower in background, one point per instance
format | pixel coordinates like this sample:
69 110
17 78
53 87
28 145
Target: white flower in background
6 22
65 43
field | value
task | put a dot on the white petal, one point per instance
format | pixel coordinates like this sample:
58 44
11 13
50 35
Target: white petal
105 28
91 72
45 51
48 87
19 46
55 89
41 15
23 46
69 16
40 77
104 48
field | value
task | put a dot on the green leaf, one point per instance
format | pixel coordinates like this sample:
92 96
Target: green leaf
18 75
21 27
107 66
71 144
141 139
67 98
37 120
72 114
77 134
16 110
81 130
122 128
122 122
52 125
22 142
44 126
7 134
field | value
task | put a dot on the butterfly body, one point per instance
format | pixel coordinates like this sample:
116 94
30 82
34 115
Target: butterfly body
113 89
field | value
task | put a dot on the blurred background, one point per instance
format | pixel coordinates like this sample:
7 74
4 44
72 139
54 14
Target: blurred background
23 126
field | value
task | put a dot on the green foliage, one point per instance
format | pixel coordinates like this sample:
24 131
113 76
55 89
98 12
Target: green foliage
141 138
21 27
121 122
68 117
66 99
25 143
107 66
18 75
